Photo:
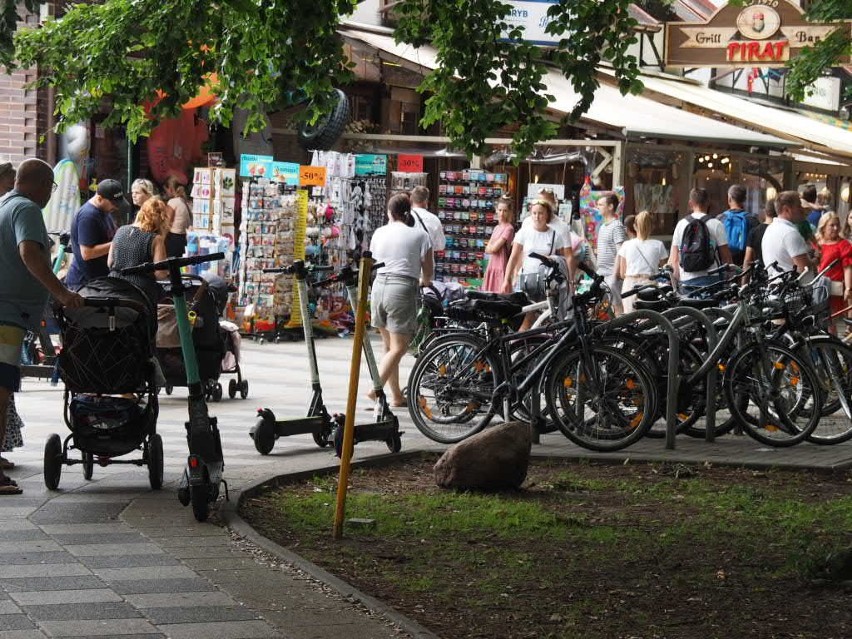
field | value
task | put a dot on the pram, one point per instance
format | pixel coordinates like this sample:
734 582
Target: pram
216 346
110 400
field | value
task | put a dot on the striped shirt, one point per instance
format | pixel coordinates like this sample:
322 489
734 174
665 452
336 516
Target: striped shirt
611 235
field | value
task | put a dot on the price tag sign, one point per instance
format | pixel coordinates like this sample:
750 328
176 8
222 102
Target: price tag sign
287 172
409 163
311 175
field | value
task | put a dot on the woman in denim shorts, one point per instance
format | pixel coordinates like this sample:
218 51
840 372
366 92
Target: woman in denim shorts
406 253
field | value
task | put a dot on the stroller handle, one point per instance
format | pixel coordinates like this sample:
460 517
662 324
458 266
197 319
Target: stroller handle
172 262
114 302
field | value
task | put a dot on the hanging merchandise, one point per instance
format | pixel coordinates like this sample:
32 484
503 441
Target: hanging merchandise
266 241
592 217
466 203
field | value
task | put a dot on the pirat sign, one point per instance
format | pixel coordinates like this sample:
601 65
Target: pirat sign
757 33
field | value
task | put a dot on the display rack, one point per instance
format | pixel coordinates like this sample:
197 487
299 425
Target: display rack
466 203
266 241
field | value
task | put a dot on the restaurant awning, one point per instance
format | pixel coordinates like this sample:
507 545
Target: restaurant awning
810 133
633 117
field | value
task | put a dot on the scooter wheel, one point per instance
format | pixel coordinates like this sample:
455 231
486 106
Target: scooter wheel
169 389
183 496
200 505
394 443
264 435
155 462
53 462
322 437
88 466
216 392
244 389
232 388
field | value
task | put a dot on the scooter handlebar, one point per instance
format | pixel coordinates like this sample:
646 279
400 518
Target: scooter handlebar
175 262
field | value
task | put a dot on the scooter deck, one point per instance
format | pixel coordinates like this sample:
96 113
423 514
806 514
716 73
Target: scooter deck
299 425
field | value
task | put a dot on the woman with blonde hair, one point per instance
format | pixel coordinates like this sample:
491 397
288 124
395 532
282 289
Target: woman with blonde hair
534 237
639 259
141 191
833 247
175 190
141 242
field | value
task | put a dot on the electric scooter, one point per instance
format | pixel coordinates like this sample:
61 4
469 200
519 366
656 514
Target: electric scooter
199 484
325 427
318 422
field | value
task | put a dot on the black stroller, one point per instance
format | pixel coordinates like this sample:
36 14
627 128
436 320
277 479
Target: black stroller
110 399
212 343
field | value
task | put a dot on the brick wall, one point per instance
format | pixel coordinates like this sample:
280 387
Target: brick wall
19 129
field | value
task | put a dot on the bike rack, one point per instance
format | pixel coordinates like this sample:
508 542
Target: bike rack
710 331
674 357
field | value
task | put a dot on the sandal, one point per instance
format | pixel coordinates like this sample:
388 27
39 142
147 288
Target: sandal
9 487
5 464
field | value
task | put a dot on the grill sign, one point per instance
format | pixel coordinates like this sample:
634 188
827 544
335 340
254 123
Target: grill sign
763 33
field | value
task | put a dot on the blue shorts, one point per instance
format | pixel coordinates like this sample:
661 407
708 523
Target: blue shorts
11 341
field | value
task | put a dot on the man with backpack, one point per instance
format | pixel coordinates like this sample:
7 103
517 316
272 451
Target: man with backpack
699 244
738 223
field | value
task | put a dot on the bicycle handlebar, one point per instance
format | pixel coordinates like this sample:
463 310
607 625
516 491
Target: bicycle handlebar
172 262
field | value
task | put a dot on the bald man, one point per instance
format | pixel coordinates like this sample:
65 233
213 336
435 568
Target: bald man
26 279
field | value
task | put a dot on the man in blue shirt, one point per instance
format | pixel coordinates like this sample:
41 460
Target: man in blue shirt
91 234
26 278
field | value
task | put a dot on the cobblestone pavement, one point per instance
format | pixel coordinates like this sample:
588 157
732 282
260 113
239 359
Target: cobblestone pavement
109 557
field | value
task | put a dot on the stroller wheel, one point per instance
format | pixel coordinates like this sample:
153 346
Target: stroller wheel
232 388
88 466
53 460
155 462
244 388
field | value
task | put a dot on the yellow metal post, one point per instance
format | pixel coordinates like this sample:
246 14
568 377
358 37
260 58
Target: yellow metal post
354 375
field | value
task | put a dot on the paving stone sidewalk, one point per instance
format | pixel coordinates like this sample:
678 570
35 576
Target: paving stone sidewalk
111 558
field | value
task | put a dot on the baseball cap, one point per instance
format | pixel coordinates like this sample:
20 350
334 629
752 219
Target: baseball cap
111 190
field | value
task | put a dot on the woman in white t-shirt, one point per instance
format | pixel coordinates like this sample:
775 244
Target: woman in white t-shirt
406 252
539 238
639 259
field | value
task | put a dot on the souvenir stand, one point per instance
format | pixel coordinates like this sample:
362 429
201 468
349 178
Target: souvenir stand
466 203
213 199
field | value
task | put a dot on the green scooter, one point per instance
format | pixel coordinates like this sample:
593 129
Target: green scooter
202 476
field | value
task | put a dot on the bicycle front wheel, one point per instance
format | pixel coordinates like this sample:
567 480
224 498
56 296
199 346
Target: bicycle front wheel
604 401
450 388
773 393
832 362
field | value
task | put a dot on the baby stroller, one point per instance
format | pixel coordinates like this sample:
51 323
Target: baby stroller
212 342
110 399
229 333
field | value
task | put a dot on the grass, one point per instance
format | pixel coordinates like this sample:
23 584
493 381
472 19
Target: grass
585 550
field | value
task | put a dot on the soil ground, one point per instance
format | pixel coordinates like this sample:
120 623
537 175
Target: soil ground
588 550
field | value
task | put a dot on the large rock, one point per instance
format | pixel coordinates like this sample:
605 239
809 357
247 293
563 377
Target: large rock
495 459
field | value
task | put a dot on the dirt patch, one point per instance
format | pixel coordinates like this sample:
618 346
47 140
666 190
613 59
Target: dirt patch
586 550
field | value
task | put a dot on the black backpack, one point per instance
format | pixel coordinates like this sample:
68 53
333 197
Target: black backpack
696 247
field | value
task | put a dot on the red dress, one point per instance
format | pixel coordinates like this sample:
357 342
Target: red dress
496 270
840 250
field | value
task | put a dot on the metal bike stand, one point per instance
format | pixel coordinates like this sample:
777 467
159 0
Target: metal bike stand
674 357
710 331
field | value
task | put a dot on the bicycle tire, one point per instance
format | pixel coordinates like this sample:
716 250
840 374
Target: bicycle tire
450 388
832 360
787 401
618 405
